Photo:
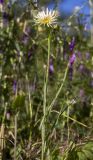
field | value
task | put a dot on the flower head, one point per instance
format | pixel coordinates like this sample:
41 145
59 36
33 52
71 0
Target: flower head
1 1
51 66
72 44
77 9
46 17
72 59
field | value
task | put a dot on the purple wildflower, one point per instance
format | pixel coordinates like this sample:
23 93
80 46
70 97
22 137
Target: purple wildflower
70 72
72 59
5 19
71 62
5 15
29 54
51 67
72 44
1 1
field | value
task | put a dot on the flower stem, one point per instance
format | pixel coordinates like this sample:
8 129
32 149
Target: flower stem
45 101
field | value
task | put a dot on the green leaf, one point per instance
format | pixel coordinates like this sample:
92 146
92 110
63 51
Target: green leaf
19 101
88 154
81 156
88 146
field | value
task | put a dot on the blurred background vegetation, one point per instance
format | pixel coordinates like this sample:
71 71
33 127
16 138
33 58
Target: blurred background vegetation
23 61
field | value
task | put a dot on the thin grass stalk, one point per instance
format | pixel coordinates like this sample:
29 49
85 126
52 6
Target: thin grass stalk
2 134
2 140
59 90
45 102
68 134
29 103
61 113
29 97
30 108
74 120
15 142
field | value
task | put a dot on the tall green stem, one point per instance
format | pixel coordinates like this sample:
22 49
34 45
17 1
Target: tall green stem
68 110
45 101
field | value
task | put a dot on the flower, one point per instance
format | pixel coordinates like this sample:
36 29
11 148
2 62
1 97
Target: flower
1 1
72 59
77 9
72 44
51 66
70 72
5 15
71 62
46 17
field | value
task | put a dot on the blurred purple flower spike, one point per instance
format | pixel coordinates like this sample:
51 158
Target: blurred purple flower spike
29 54
1 1
5 18
72 59
5 15
71 62
70 72
72 44
51 67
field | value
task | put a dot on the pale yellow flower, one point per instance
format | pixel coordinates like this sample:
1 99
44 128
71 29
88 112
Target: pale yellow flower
46 17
